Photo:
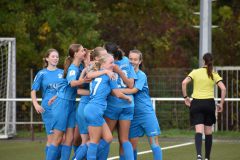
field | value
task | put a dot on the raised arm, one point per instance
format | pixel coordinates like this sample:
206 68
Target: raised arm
184 90
128 81
94 74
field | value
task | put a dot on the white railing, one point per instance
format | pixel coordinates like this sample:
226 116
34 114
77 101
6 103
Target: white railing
154 100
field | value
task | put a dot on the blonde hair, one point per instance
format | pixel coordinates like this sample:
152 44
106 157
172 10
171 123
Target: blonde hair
97 65
96 52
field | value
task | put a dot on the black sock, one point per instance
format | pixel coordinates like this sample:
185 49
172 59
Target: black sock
198 143
208 145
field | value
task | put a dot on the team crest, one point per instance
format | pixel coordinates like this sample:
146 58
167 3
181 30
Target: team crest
72 73
60 75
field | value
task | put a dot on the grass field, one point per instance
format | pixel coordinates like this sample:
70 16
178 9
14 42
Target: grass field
225 147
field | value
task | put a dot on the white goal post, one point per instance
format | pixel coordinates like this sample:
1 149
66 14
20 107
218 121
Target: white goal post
7 87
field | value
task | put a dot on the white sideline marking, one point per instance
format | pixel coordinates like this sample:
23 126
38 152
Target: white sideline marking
164 148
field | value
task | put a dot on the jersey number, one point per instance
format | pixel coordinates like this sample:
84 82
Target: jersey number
122 84
98 80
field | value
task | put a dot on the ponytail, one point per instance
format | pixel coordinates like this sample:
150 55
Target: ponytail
209 63
73 48
94 67
67 63
45 63
115 50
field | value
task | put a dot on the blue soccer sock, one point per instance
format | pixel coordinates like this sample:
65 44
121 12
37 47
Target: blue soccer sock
52 152
135 154
104 154
157 153
128 150
92 151
81 152
66 152
46 150
59 151
121 157
101 146
74 148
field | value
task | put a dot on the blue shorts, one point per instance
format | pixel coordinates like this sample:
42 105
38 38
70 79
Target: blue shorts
63 114
81 121
47 120
93 114
144 124
117 113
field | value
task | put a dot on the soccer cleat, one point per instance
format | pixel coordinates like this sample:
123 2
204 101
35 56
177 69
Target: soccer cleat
199 157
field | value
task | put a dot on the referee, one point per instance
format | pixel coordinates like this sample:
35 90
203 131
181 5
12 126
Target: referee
202 107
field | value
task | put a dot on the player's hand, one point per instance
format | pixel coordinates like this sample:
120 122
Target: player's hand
219 107
51 100
129 99
187 101
116 69
110 74
39 108
87 80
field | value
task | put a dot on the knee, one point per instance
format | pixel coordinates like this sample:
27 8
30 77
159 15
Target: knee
134 145
49 139
123 138
108 138
153 141
57 140
208 132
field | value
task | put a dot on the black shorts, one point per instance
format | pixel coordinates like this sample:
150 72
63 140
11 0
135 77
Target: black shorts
202 111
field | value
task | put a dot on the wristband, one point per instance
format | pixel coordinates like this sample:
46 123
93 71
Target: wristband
185 97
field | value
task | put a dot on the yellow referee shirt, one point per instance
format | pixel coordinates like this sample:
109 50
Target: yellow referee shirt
203 86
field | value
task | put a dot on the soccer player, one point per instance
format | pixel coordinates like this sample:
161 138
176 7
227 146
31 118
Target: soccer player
144 120
202 107
64 105
119 110
100 88
47 81
82 124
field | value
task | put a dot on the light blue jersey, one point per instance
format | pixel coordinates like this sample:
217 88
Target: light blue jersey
143 103
128 69
48 82
144 119
64 107
66 91
100 88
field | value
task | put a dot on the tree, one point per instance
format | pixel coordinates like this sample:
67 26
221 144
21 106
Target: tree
40 25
